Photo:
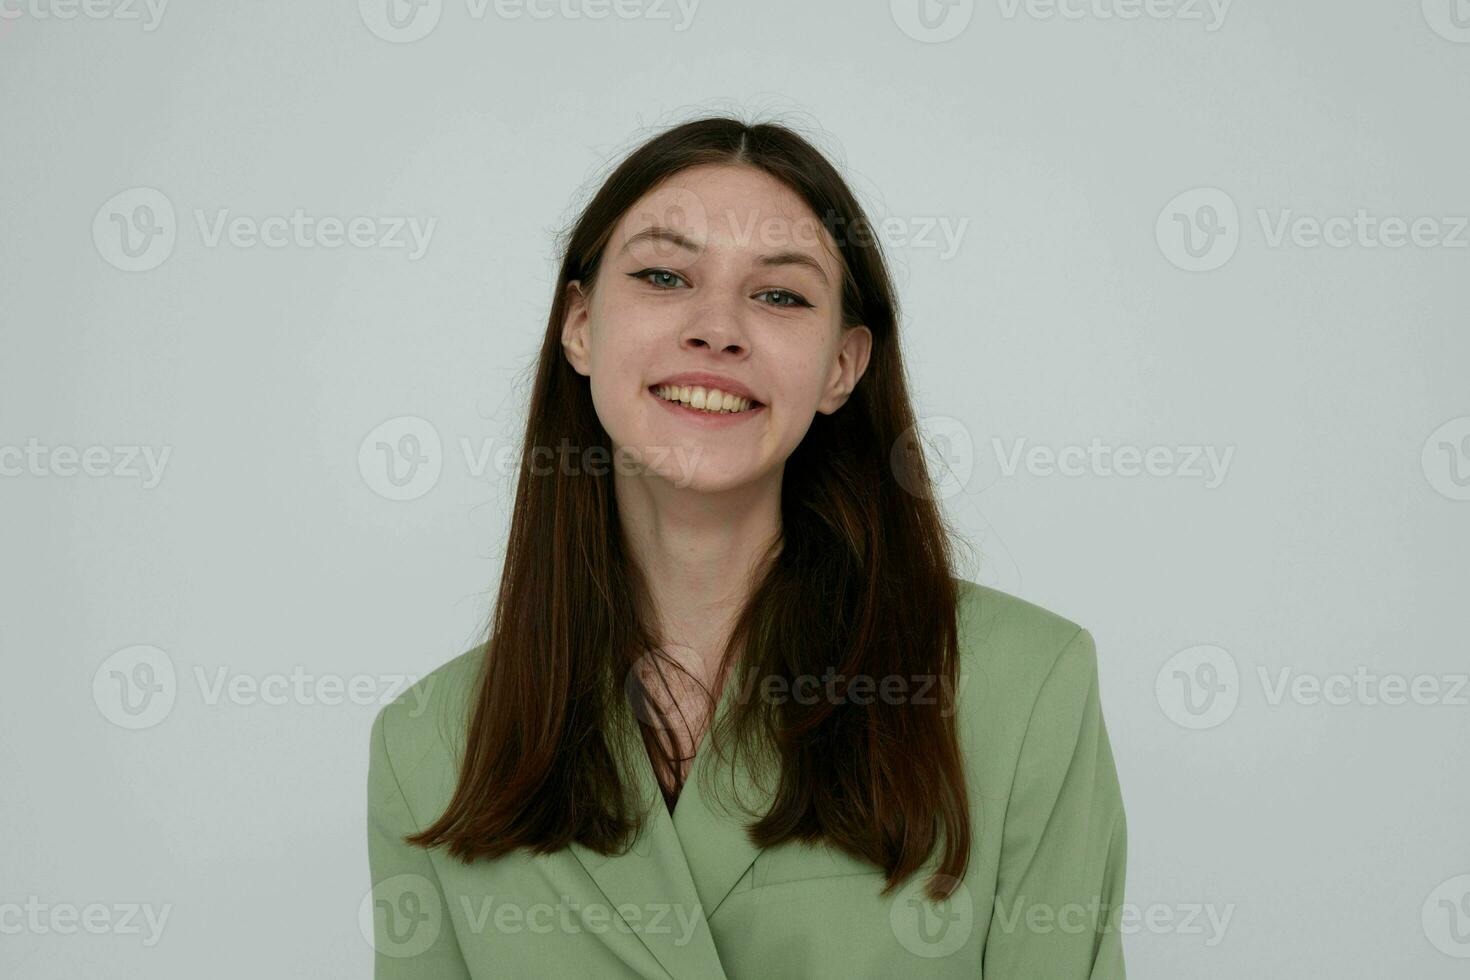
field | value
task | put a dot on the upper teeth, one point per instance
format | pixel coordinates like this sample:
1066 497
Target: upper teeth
709 400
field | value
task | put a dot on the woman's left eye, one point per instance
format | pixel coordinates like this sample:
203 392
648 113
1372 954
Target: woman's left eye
783 296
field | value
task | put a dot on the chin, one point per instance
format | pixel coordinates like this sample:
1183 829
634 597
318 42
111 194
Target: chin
687 468
684 473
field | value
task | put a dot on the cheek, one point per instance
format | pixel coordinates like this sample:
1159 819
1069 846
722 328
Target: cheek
624 335
614 385
621 349
800 377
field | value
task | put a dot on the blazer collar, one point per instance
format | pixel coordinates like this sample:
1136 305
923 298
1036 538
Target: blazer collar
685 864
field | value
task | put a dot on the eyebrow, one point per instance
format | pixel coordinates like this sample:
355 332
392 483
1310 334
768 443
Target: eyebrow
661 234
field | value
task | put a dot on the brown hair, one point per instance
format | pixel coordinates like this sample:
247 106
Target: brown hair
864 551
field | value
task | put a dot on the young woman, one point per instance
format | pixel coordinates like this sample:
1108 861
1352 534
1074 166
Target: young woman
735 716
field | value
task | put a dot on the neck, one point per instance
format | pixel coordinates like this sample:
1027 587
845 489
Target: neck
700 553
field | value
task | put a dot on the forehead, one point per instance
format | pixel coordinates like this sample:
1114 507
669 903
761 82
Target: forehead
732 209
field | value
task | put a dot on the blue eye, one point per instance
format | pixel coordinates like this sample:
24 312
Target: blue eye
663 279
795 300
646 273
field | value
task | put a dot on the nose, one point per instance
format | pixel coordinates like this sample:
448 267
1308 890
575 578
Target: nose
698 342
716 326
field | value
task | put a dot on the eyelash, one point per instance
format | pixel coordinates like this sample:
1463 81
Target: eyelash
798 301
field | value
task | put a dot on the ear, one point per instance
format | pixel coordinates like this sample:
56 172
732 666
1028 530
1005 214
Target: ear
574 326
852 361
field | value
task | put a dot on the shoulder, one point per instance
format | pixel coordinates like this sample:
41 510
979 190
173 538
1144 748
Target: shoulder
421 731
1011 638
1011 653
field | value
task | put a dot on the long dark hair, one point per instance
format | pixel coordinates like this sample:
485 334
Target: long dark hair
859 583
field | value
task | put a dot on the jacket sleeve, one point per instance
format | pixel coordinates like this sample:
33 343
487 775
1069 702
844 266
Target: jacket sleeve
1059 887
411 929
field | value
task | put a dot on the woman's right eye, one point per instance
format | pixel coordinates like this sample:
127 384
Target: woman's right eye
661 277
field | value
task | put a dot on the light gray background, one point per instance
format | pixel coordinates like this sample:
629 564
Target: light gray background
1333 835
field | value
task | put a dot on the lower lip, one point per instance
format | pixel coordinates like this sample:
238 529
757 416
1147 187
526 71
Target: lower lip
713 420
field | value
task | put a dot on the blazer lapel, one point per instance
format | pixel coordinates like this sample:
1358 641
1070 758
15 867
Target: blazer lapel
653 876
712 830
683 867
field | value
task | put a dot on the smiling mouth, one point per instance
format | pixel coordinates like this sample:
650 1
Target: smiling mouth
712 401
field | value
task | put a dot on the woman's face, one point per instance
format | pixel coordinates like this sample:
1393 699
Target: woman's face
722 271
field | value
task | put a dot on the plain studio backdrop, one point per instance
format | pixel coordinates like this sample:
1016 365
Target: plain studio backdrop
1184 304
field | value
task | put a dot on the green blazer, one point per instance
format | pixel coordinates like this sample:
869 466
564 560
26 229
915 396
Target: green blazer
694 899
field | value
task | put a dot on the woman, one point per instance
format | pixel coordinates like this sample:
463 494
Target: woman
735 715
